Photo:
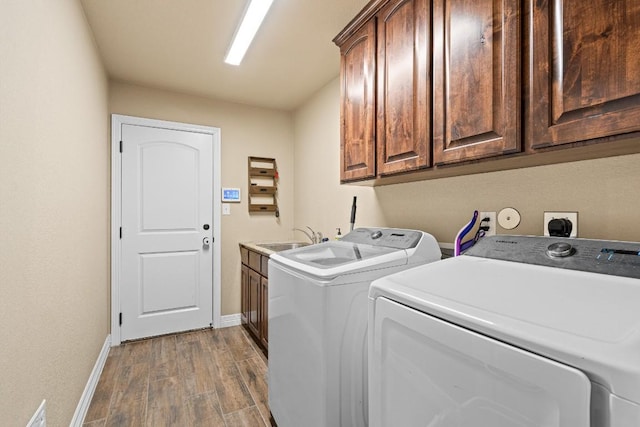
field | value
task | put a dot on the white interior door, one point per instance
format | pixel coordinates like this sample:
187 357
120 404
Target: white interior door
166 273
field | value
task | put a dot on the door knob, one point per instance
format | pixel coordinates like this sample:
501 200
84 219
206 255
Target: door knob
206 241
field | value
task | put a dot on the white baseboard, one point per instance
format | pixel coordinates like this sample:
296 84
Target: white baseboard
90 388
230 320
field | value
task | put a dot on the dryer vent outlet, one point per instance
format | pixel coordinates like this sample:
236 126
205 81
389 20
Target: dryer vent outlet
570 216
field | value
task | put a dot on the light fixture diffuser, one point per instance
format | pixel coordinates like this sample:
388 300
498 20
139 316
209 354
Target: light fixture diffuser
251 21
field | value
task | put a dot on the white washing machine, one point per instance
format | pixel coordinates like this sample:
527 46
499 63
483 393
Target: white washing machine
318 322
520 331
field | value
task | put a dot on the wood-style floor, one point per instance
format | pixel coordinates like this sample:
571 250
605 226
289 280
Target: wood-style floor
213 377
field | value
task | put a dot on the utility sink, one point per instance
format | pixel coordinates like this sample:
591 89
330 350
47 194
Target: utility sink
278 247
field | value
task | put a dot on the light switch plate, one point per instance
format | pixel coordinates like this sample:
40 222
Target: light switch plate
226 209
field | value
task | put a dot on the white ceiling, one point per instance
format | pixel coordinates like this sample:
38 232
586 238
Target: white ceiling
180 45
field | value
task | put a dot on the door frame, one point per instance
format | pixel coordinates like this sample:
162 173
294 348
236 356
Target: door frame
117 120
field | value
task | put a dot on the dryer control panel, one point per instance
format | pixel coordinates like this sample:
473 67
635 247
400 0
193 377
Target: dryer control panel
595 256
388 237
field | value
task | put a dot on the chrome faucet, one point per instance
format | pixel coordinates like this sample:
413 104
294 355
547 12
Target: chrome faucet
314 237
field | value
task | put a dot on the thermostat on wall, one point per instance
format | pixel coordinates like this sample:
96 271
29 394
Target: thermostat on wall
230 194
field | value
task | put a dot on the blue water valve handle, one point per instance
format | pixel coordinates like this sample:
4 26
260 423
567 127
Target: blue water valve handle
459 247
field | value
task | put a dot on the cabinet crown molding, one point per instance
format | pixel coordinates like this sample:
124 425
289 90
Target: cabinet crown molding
360 19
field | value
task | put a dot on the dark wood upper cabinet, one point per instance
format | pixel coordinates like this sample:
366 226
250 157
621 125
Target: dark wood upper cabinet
357 136
429 84
584 77
476 79
403 86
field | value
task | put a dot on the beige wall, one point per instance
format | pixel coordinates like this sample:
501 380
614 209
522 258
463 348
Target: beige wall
54 196
603 191
245 131
320 201
53 209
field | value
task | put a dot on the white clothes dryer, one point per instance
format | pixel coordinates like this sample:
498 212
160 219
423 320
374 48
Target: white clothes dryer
318 322
520 331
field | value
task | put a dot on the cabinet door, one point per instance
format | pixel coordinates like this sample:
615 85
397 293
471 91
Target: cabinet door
254 303
476 77
264 314
244 295
255 260
264 266
584 77
403 114
357 109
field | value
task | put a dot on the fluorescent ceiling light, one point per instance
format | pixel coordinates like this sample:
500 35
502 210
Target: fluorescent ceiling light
253 17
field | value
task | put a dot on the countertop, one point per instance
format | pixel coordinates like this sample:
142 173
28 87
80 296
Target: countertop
446 252
253 246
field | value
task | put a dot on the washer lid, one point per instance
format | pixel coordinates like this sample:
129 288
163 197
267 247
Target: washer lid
331 259
586 320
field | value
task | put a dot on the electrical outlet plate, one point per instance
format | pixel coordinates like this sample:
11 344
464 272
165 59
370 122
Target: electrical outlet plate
571 216
492 222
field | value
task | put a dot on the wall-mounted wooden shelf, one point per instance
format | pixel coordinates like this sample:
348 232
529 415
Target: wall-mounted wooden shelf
258 172
263 185
261 189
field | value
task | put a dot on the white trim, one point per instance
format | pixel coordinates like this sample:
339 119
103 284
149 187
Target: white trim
230 320
117 121
217 228
446 245
92 383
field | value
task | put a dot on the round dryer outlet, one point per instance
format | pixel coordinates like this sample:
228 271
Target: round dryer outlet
509 218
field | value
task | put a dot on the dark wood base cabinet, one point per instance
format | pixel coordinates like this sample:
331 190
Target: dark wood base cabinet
255 296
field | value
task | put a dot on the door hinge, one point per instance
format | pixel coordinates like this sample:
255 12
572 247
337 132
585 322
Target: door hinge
120 319
121 146
121 232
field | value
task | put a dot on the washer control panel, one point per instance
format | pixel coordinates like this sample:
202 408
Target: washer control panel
389 237
595 256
